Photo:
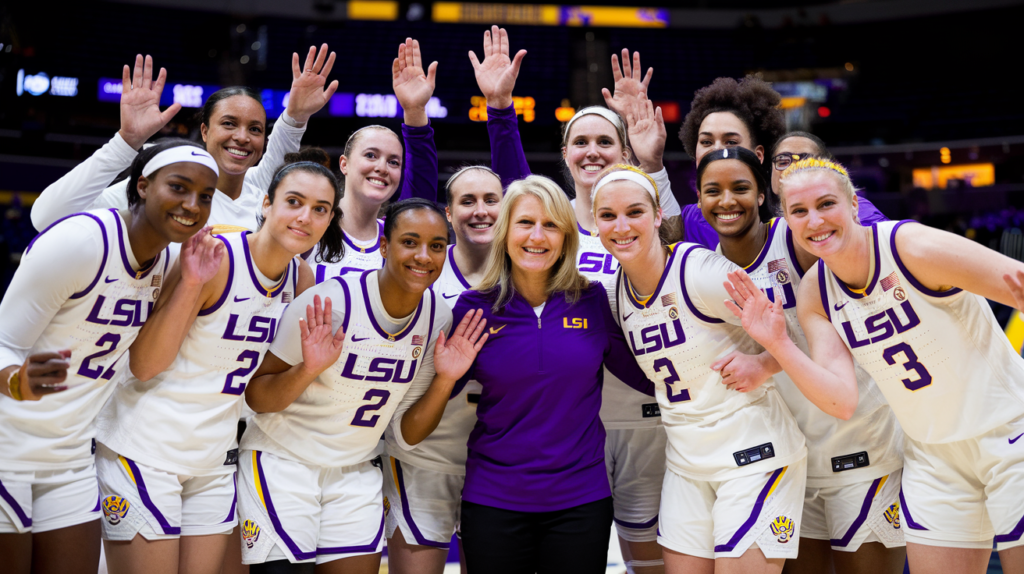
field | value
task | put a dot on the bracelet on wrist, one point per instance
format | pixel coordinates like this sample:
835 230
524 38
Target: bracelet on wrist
14 385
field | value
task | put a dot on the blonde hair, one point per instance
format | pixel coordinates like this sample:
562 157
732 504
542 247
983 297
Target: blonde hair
655 201
812 165
563 276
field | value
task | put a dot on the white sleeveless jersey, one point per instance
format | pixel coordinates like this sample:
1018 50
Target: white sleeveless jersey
713 433
185 420
621 406
340 417
358 257
872 428
940 358
445 449
97 324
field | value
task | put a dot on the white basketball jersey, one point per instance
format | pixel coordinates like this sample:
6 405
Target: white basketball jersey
358 257
97 325
445 449
621 406
185 420
940 358
872 429
340 417
713 432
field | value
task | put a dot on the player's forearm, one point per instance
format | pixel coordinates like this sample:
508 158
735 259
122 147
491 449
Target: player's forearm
165 330
825 389
273 393
424 415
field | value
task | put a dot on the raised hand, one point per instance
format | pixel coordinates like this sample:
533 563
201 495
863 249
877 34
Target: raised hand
628 85
308 94
140 103
453 356
647 134
320 348
200 257
1016 285
44 374
741 372
496 76
763 320
412 86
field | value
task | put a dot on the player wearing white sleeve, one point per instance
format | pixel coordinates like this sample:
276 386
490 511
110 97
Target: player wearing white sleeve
906 302
736 467
167 448
307 489
423 486
83 290
853 467
233 126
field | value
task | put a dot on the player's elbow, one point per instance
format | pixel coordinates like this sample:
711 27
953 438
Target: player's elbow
141 370
844 411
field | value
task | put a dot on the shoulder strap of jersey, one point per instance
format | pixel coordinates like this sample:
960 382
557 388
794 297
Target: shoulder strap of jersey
348 302
686 294
231 278
823 287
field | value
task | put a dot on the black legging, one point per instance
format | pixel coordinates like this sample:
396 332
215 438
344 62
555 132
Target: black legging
573 540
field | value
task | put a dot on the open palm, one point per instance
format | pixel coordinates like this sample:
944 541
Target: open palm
140 102
320 348
453 356
496 75
413 87
308 94
647 134
200 257
763 320
628 85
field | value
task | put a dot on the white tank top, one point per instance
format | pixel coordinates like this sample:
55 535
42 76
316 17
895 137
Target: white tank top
184 420
445 449
940 358
621 406
358 257
340 417
98 324
872 429
676 335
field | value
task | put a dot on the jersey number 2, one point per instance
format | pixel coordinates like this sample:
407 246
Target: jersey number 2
924 378
230 386
684 394
359 420
94 372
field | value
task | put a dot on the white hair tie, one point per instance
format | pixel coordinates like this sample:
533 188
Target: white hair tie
626 175
178 154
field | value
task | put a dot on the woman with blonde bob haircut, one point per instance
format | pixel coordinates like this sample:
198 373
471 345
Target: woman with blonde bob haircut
535 477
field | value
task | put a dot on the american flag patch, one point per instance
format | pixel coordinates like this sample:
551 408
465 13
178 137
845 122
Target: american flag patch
417 339
157 279
890 281
286 297
668 300
776 265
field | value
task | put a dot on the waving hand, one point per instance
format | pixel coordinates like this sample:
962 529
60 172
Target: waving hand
496 76
140 102
308 94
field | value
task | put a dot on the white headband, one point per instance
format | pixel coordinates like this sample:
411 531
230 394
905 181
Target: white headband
625 175
596 110
178 154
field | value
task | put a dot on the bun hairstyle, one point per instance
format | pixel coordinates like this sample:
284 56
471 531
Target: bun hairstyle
331 247
765 211
751 99
310 153
400 207
144 157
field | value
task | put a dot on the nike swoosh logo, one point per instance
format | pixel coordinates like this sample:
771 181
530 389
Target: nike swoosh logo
240 299
1013 440
494 331
627 317
446 296
198 154
837 306
109 280
357 339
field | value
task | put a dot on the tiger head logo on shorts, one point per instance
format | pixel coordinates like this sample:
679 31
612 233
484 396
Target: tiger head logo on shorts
783 528
892 514
250 532
114 508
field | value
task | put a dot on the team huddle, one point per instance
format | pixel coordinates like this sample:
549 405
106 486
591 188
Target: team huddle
215 365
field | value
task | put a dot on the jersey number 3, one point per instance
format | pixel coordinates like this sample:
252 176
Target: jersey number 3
924 378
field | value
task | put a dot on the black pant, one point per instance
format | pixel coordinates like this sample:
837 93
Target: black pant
566 541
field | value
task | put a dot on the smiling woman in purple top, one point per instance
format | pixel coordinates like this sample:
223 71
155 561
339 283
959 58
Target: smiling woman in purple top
536 485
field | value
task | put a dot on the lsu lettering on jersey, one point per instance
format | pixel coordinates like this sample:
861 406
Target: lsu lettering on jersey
872 428
621 406
358 257
185 420
940 358
445 449
97 324
675 336
338 420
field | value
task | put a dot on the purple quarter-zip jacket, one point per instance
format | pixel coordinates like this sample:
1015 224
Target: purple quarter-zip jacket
538 444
